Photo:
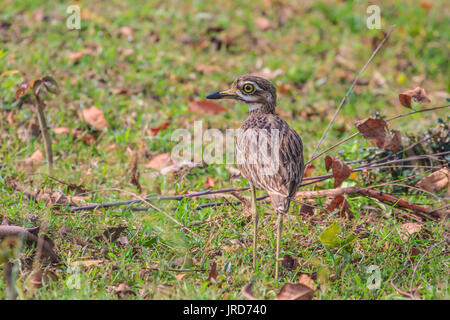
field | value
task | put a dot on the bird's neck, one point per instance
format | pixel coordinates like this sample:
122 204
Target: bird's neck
261 108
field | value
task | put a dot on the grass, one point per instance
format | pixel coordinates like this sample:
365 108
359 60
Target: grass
319 48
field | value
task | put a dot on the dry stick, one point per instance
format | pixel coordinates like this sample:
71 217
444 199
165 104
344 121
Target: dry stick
344 99
44 130
227 190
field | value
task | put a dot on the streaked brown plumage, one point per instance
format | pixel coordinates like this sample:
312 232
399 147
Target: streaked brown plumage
282 183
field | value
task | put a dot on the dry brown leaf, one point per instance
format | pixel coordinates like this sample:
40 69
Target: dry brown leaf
23 88
263 24
123 290
294 291
340 170
210 183
94 117
155 130
306 280
181 276
134 173
436 181
39 277
418 94
267 73
376 130
120 91
159 161
212 275
207 69
289 262
247 291
74 56
34 160
86 263
126 31
408 229
306 209
342 204
111 234
205 106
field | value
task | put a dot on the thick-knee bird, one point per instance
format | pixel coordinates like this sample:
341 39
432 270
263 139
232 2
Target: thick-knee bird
269 153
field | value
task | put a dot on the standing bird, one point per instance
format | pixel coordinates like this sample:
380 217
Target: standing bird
269 152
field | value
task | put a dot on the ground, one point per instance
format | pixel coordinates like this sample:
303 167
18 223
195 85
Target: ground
143 64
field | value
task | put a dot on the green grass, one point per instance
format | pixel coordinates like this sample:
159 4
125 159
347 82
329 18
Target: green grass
158 66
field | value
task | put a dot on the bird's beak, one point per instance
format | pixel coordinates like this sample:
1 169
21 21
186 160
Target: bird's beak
222 94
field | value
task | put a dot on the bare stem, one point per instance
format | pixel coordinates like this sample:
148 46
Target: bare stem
45 134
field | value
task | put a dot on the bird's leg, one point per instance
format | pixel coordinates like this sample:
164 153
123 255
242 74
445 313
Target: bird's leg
255 223
279 229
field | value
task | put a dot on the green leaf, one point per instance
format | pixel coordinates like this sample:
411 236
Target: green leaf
330 236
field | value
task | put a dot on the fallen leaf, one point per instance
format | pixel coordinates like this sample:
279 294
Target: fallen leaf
263 24
179 167
39 277
34 160
210 183
23 88
111 234
86 263
289 262
306 209
309 170
155 130
126 31
267 73
427 5
408 229
376 130
418 95
123 290
134 173
247 291
75 56
436 181
205 106
207 69
94 117
181 276
341 203
120 91
123 240
294 291
159 161
212 275
306 280
340 170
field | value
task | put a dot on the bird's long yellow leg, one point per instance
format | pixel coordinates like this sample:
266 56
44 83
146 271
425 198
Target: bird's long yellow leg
255 223
279 229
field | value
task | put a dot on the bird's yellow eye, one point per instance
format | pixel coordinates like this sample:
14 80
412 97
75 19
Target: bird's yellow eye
248 88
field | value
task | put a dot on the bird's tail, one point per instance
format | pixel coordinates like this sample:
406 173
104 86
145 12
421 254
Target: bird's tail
280 202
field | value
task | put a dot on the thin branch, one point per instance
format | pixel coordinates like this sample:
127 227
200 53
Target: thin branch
312 158
344 99
311 180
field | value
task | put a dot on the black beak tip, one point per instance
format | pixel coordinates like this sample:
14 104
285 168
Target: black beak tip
214 95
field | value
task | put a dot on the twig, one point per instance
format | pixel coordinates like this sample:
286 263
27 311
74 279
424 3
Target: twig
417 111
44 130
228 190
344 99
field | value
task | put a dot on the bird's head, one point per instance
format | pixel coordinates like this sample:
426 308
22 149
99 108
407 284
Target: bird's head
256 92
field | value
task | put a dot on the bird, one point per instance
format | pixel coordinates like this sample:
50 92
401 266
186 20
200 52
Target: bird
277 168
